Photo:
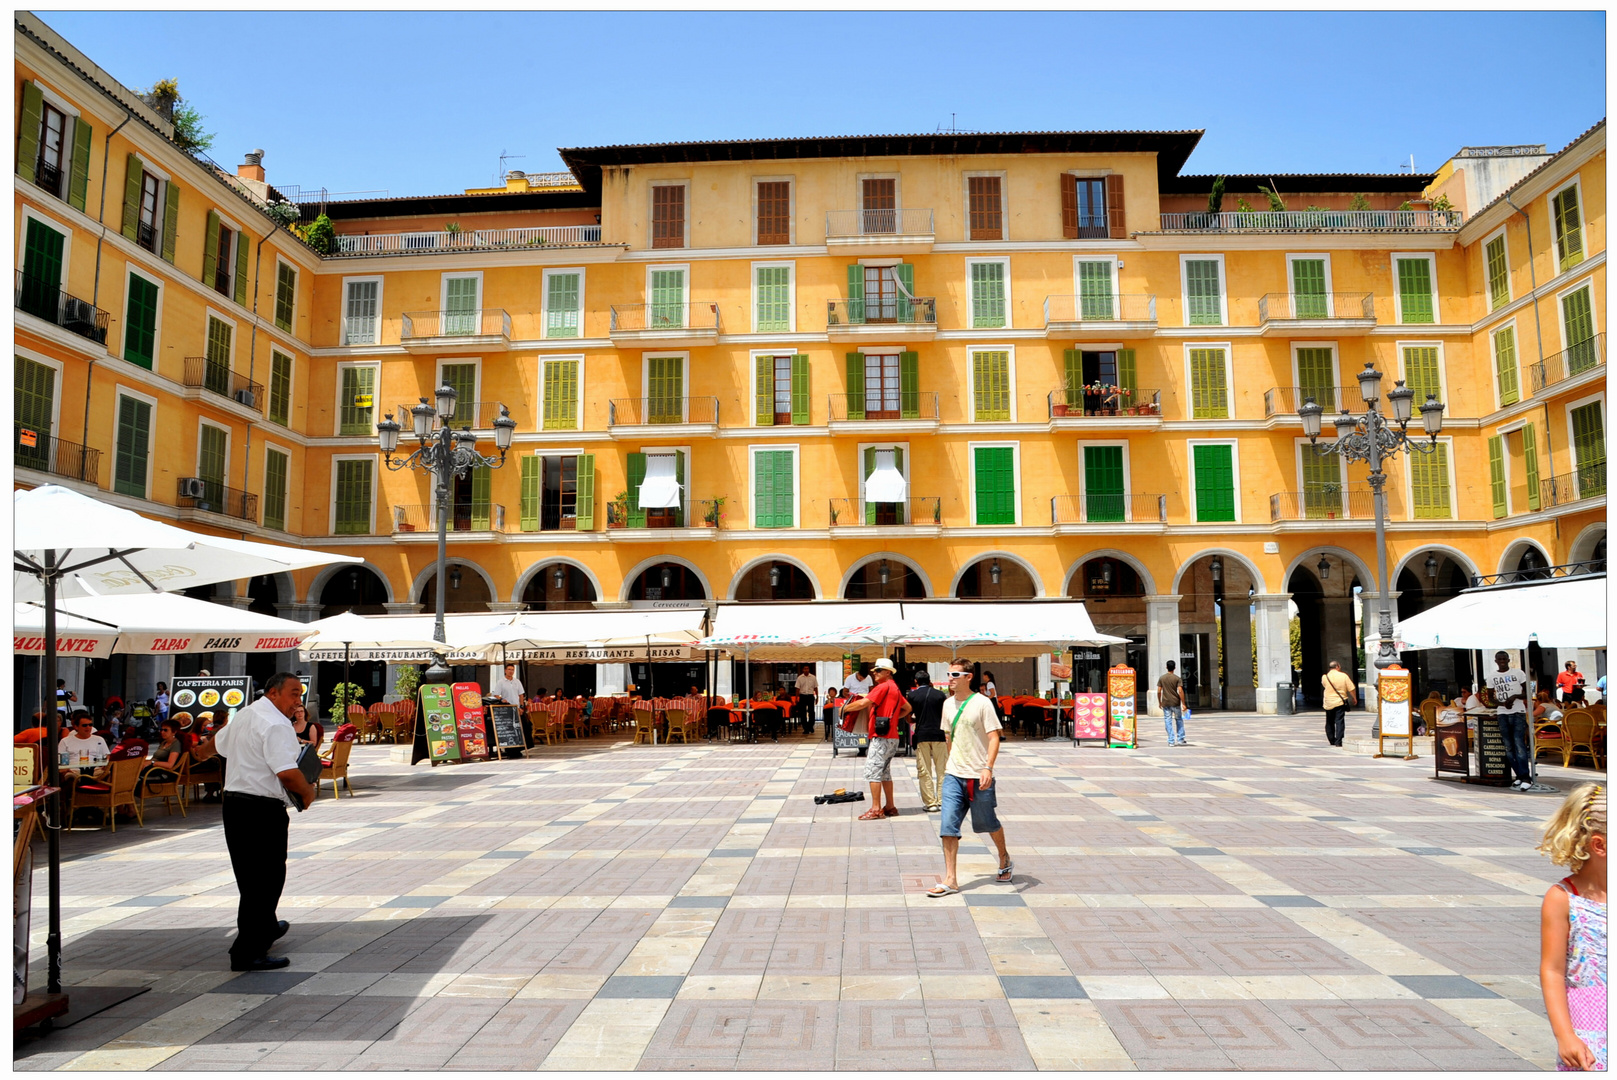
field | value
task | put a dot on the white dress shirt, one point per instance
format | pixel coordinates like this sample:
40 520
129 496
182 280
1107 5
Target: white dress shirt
808 684
257 744
509 689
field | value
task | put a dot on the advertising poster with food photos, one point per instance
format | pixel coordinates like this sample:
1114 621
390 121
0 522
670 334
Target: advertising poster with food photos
469 720
438 718
201 703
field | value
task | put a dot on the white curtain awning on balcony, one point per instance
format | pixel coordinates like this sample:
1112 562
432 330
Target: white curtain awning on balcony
659 490
886 484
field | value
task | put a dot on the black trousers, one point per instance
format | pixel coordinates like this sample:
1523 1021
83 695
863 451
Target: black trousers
255 834
1335 724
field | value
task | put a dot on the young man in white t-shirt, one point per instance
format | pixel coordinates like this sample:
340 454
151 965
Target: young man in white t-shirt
972 727
1509 686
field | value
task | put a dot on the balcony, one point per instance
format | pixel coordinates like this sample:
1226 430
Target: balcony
896 320
48 177
205 373
917 516
1315 221
1132 509
43 452
1283 401
46 300
667 326
431 243
469 416
1588 482
197 493
701 520
1331 502
1090 407
874 413
644 417
423 519
879 232
1337 314
1581 359
1107 317
483 328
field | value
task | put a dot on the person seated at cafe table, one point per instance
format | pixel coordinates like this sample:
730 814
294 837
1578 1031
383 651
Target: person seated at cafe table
307 730
83 742
164 765
1545 709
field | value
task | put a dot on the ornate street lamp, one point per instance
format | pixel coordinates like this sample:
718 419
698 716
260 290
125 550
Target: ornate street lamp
1370 437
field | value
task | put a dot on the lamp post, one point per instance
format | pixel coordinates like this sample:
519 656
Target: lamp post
1370 437
1216 567
443 453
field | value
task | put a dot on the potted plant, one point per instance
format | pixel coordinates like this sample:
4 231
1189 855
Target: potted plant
714 517
343 695
617 511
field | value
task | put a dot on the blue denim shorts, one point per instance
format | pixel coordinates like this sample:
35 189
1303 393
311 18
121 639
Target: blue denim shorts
955 806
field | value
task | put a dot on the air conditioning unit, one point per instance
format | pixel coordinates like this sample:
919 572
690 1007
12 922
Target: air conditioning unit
245 397
193 487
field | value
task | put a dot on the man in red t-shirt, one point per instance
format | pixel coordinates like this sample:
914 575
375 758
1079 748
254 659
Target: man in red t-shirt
1570 682
885 702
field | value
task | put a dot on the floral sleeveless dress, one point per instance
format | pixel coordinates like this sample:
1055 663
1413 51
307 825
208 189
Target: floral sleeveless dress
1586 972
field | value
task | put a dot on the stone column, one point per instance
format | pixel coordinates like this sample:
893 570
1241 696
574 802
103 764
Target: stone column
1161 644
1238 653
404 608
1273 652
1369 623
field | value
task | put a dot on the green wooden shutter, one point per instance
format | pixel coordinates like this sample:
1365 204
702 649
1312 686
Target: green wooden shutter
1103 483
1504 366
1214 467
462 378
585 498
1308 289
1496 475
274 489
1415 290
211 465
774 299
1589 449
1072 363
353 498
856 293
41 292
665 390
1429 483
171 219
561 395
1498 272
286 291
561 306
1316 377
133 450
140 325
637 476
35 401
667 299
1209 395
1568 228
764 392
905 273
210 249
1576 316
280 389
33 117
460 306
869 467
995 485
800 388
856 386
358 385
216 369
243 243
987 295
532 478
1530 464
909 385
772 489
991 385
1205 303
134 177
1420 372
1322 484
900 510
1127 376
1095 301
679 478
481 477
78 185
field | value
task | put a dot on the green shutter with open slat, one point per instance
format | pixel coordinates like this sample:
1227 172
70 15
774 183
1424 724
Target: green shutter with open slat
171 220
665 390
561 395
353 497
772 489
561 306
211 466
856 385
636 472
995 485
987 295
1429 483
133 449
905 273
1308 289
869 467
1095 300
856 293
1415 290
1072 363
243 243
1420 372
901 510
1568 228
33 110
774 299
532 477
991 385
1530 464
78 185
1576 316
909 385
1103 483
667 299
1496 475
140 326
1504 366
1589 449
1209 394
1316 377
481 485
210 248
679 478
764 392
1127 376
280 388
1322 484
1205 302
358 385
800 388
1214 467
1498 272
274 489
584 500
35 397
286 289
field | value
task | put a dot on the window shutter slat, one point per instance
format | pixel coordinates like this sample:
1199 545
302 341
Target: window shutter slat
1530 464
1208 393
856 385
1203 293
242 246
800 388
987 295
869 467
140 331
1115 221
909 385
1095 301
1127 378
1415 290
1072 361
33 109
636 475
171 220
856 293
532 474
280 388
764 392
1429 483
210 245
1496 474
1215 483
995 485
79 168
1322 484
1580 331
1069 206
1504 364
1308 289
905 273
584 499
1316 376
1420 372
1568 228
129 463
134 174
1589 449
1498 273
1103 483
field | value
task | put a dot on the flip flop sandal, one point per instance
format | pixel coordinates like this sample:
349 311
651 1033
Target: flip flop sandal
891 811
940 889
1004 875
872 815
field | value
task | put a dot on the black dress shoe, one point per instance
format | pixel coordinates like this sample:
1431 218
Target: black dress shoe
281 928
263 963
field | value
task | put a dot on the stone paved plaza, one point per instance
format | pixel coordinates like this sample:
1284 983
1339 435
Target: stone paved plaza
1250 901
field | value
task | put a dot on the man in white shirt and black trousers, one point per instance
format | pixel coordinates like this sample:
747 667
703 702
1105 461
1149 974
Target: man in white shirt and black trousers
261 776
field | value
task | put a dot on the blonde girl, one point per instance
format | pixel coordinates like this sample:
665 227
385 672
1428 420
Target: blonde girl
1572 964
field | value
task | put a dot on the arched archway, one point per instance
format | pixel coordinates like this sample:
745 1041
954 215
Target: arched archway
1113 590
1424 579
885 576
668 579
1215 629
997 576
773 578
1590 547
558 586
1324 583
362 590
336 574
1523 560
468 588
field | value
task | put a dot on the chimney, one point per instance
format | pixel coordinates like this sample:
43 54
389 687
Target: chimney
253 167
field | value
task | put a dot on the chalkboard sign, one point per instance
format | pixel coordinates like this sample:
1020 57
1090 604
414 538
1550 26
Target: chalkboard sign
855 740
1451 745
1493 765
506 723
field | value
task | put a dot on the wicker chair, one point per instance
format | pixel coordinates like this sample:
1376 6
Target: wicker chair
574 725
1428 714
681 727
335 767
645 726
117 790
1579 726
169 789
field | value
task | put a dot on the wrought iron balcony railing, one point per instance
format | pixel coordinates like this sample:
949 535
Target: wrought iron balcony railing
1098 400
1584 356
1314 221
425 243
200 493
215 376
662 410
917 510
921 311
48 177
469 415
481 322
1283 400
38 449
695 315
1586 482
842 224
1075 509
884 405
477 517
1330 502
1344 305
1108 307
700 514
46 300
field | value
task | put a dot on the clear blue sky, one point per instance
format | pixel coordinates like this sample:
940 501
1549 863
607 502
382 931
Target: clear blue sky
424 102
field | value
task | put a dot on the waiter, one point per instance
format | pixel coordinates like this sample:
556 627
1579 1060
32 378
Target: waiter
262 752
510 689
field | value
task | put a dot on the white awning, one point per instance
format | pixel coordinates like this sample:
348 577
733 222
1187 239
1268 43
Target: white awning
397 638
886 484
595 636
156 624
1566 613
659 490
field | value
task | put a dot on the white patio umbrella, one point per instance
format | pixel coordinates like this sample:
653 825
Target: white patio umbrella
60 542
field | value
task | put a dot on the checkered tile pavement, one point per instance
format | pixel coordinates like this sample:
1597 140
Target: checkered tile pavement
1254 900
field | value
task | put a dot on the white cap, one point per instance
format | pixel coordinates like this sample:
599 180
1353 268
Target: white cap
884 664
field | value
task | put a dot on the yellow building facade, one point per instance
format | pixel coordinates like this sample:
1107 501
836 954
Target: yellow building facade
998 366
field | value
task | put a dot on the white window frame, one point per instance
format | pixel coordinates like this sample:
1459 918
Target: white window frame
1398 294
651 202
342 314
297 272
1442 368
797 483
1235 477
685 501
376 395
1291 281
1583 218
1510 292
1223 288
1016 479
68 109
971 380
331 502
1567 410
1454 494
263 483
1077 276
790 266
1585 282
684 378
578 415
438 376
1296 371
1229 377
544 301
443 290
1004 262
1305 446
791 204
1004 211
291 386
29 213
859 468
1083 475
196 458
122 391
1523 393
57 101
157 329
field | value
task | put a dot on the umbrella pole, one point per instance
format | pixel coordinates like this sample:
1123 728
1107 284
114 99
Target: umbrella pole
343 719
53 778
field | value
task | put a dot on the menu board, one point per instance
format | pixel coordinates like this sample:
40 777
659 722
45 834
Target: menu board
24 767
438 723
1120 693
1452 745
469 721
202 702
1392 696
1493 766
1089 717
506 723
